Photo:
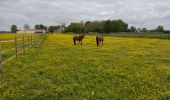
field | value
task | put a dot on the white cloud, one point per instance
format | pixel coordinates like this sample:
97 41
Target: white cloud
141 13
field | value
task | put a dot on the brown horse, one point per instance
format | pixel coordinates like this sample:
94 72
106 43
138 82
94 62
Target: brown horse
78 38
99 40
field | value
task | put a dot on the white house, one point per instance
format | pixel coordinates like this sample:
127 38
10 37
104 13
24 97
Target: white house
41 31
60 30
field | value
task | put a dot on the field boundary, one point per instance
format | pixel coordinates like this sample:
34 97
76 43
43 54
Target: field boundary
32 40
165 36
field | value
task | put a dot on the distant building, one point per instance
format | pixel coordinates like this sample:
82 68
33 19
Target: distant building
42 31
32 31
60 30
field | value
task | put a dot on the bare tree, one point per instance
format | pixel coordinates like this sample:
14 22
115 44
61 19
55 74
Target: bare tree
26 27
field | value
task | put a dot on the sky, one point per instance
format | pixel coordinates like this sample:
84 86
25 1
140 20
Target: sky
139 13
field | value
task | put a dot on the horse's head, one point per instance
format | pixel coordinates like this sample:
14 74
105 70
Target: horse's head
83 35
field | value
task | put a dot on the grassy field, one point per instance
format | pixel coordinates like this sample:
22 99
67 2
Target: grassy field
9 45
143 35
124 68
6 36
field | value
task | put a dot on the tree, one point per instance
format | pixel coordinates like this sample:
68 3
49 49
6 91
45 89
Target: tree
26 27
132 29
139 30
76 27
13 28
108 26
160 29
95 26
51 29
119 26
98 26
144 30
40 26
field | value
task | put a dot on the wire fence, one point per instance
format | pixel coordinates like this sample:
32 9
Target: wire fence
18 46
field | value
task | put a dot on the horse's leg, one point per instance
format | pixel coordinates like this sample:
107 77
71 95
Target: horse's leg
74 42
97 42
81 42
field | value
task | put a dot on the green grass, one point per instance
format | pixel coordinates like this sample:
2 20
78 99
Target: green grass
124 68
143 35
9 45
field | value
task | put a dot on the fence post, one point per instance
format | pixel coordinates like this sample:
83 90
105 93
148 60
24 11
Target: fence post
16 47
28 41
39 39
36 38
23 44
33 37
1 68
31 40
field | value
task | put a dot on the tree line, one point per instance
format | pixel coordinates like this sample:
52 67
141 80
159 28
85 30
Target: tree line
108 26
105 26
98 26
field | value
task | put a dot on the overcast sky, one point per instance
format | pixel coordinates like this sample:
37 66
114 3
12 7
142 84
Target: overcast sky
140 13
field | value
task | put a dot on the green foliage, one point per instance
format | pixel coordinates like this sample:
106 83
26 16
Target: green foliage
132 29
141 35
99 26
108 26
40 26
160 29
144 30
96 26
76 27
52 29
119 26
14 29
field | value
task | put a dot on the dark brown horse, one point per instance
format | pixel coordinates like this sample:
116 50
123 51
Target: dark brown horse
99 40
78 38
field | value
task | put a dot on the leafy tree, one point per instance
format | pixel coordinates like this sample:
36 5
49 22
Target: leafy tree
160 29
52 29
13 28
40 26
108 26
95 26
89 26
76 27
98 26
144 30
139 30
119 26
132 29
